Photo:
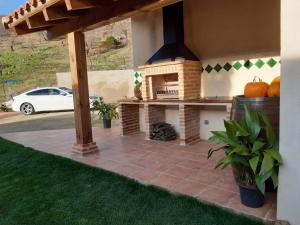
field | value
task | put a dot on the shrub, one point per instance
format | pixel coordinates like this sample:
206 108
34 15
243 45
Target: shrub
111 42
255 159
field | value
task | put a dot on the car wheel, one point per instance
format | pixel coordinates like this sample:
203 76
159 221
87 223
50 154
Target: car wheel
27 109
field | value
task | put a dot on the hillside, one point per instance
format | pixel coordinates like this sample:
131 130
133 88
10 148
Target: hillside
34 62
2 30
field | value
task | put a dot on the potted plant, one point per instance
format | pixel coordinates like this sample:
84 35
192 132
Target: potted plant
106 112
4 108
254 157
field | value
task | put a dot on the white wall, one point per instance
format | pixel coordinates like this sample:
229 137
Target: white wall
215 117
232 82
147 36
215 120
289 183
172 117
233 27
113 85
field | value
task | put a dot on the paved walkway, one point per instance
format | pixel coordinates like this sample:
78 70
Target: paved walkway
179 169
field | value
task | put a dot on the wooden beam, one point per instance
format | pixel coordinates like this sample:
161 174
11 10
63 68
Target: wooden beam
84 136
57 13
97 17
87 4
38 21
80 4
38 8
22 29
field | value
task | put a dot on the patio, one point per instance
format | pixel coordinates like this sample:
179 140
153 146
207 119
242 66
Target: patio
168 165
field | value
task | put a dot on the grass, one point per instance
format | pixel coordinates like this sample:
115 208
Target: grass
33 67
41 189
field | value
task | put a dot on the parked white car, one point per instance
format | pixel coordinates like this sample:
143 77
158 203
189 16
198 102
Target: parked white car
45 99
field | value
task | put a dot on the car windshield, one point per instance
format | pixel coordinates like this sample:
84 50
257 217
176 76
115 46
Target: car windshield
68 90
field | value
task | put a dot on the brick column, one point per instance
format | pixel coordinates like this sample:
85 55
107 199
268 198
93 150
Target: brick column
189 124
129 118
145 88
153 114
189 77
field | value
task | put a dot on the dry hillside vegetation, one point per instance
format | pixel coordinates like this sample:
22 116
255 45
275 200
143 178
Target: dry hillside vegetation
33 61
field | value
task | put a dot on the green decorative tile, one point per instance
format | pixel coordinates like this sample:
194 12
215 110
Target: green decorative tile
272 62
218 68
259 63
237 65
137 75
202 69
208 68
137 78
248 64
227 67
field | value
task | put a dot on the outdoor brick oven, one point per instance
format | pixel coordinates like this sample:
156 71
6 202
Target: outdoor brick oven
173 72
171 80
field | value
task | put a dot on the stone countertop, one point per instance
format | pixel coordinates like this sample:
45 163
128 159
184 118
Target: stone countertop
200 101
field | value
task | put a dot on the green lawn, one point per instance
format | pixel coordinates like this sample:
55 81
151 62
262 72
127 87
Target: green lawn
41 189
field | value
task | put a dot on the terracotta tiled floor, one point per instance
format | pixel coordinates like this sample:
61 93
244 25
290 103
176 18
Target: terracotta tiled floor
180 169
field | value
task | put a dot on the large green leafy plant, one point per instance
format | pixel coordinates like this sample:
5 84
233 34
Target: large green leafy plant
251 148
106 111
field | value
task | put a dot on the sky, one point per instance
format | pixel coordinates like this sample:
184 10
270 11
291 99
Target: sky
8 6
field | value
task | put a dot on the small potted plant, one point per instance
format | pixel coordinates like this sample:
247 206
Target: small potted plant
106 112
4 108
254 157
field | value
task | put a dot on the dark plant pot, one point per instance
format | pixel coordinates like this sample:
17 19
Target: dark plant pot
251 197
107 124
270 186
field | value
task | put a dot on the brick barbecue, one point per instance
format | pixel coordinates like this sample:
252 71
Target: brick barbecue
185 75
171 78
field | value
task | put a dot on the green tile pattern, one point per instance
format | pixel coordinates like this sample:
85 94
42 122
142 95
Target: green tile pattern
248 64
237 66
229 66
260 63
240 64
218 68
137 78
208 68
272 62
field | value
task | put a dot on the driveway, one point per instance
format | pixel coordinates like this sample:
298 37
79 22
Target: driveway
16 122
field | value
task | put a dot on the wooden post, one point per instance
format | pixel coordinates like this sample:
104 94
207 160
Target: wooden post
84 136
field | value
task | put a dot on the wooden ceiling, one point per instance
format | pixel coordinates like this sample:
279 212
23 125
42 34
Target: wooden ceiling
60 17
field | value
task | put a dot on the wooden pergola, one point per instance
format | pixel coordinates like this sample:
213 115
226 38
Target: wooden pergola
72 18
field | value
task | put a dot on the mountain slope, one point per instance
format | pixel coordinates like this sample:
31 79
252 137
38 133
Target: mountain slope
34 61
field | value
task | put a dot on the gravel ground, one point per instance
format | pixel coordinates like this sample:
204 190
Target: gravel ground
16 122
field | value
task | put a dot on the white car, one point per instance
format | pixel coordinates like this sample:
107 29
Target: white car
46 99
